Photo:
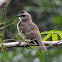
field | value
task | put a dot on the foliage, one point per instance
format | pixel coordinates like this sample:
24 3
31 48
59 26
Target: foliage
2 29
52 33
40 55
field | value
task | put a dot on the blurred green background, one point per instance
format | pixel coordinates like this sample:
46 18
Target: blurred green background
47 14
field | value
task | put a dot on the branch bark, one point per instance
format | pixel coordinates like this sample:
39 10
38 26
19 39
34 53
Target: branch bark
26 44
3 5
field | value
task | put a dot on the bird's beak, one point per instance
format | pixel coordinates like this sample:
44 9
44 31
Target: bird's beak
18 15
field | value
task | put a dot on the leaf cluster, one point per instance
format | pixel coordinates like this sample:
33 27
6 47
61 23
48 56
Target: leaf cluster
53 34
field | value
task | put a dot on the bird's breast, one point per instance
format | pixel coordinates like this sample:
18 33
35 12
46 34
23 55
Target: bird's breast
19 32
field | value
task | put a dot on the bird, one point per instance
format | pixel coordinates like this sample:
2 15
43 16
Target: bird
26 25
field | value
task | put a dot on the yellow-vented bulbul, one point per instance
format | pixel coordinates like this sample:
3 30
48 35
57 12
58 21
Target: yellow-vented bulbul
26 25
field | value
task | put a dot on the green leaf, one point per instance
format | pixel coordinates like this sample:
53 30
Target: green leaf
19 38
3 46
40 55
1 34
1 23
30 47
46 37
54 37
60 36
0 40
51 32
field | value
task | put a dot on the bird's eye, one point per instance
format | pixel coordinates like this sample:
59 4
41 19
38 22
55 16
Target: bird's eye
23 15
22 11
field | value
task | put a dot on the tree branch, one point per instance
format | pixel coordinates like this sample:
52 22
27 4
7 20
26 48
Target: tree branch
26 44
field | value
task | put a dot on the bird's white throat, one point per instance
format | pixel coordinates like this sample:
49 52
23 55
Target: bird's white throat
20 18
18 28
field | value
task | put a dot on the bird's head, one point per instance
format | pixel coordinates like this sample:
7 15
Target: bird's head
24 16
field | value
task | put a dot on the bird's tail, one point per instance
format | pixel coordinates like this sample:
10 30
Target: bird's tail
43 47
41 44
